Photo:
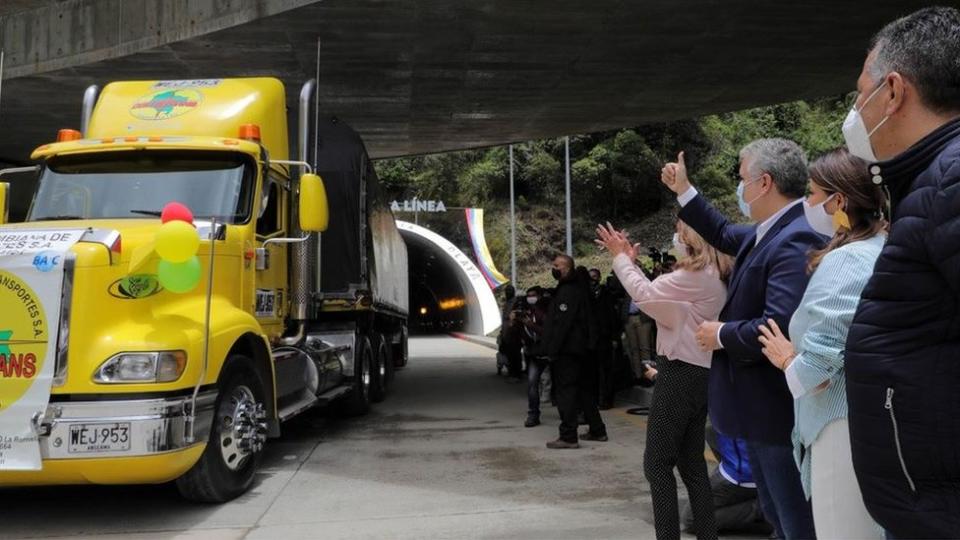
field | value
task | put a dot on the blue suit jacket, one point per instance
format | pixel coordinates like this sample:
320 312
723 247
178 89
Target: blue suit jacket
749 397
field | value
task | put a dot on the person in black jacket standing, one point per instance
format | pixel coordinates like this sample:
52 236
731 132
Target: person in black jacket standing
568 333
508 342
903 351
605 315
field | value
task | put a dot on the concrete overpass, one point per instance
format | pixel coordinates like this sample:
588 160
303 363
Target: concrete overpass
421 76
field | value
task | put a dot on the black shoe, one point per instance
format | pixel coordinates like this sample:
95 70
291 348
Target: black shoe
587 436
532 421
561 444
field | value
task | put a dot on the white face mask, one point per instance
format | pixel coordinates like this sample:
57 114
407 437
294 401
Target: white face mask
679 246
743 203
819 219
531 300
855 131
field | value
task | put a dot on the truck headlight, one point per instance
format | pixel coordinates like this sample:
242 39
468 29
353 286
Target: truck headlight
136 367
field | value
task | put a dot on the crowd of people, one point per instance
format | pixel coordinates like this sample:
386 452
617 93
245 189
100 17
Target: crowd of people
822 339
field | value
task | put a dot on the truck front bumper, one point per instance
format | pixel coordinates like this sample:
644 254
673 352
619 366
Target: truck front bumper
156 447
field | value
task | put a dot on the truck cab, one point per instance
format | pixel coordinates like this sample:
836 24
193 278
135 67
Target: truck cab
139 380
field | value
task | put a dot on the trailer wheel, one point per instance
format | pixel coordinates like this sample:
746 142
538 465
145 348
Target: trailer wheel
378 387
401 353
357 402
389 362
235 445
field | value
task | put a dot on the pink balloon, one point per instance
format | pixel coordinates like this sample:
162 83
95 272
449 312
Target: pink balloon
175 211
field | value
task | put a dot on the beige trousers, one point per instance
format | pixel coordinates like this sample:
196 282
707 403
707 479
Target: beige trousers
838 510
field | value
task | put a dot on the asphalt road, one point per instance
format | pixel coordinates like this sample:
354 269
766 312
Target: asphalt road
445 456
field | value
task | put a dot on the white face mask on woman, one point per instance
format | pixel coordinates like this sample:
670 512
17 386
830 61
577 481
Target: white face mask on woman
679 246
819 219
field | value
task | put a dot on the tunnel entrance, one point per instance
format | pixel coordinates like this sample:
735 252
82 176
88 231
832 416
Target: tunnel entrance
448 293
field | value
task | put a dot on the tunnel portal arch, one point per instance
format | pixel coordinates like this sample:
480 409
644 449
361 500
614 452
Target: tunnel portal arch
441 273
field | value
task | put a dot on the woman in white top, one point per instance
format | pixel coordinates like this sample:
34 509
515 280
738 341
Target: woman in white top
845 204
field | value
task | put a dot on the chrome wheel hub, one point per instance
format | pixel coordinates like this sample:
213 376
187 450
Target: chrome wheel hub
243 427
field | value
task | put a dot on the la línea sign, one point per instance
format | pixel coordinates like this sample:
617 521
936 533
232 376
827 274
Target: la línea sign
417 205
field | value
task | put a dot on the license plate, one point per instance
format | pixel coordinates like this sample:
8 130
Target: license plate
99 437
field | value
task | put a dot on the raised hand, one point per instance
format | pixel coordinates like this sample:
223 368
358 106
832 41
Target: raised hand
674 176
616 242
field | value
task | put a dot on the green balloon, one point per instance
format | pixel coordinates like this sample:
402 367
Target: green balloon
179 277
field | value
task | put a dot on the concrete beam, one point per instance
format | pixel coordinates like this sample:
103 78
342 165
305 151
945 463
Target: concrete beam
424 76
43 35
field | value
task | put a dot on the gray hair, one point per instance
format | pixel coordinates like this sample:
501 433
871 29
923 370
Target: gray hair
783 160
924 47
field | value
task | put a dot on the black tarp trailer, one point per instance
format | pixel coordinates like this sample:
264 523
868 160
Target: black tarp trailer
361 301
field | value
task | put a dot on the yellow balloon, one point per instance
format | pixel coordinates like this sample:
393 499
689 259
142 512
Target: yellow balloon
177 241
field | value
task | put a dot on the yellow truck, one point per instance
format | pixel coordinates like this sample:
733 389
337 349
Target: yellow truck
111 375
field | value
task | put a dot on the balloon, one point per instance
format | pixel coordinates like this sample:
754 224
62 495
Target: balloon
177 241
175 211
179 277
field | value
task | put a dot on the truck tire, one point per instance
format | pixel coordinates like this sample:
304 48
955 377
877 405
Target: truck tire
230 460
401 352
357 402
378 386
389 362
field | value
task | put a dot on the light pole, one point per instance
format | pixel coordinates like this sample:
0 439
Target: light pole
566 141
513 228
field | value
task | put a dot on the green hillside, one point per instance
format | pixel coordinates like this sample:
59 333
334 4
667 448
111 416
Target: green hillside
614 177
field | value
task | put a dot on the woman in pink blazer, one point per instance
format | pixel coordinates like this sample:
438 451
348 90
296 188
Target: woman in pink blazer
679 301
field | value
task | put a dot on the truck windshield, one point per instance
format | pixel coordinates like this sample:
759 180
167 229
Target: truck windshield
137 184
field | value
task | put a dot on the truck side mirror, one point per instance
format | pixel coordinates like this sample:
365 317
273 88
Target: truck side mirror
314 212
4 202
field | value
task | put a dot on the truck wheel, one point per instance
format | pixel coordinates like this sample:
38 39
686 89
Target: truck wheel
378 387
389 362
226 467
401 353
358 401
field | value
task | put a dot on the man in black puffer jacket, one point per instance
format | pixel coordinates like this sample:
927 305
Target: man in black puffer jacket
903 351
569 333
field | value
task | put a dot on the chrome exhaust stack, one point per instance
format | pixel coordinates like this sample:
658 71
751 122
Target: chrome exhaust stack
90 96
303 254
